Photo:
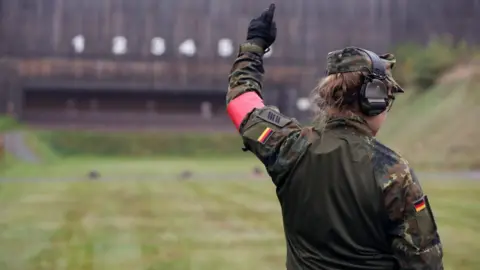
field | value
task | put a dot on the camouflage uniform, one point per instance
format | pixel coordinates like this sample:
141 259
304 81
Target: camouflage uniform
348 201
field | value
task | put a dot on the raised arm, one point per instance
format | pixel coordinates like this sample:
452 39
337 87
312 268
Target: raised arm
416 243
246 76
276 140
245 83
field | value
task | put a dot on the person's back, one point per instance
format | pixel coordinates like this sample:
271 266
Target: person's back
348 201
332 201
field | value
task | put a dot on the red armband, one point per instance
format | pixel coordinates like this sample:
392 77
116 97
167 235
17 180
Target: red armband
242 105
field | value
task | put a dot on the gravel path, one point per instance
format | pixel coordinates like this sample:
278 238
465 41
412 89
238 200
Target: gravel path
15 144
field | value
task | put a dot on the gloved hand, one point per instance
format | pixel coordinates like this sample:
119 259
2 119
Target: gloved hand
262 31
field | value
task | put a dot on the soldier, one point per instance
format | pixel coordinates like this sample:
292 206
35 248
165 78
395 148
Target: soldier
348 201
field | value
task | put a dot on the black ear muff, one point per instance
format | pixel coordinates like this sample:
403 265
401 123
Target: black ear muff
373 96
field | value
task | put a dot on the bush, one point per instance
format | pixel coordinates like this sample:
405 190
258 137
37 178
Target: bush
68 143
420 66
8 123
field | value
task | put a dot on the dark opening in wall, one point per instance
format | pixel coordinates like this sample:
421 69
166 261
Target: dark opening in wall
180 109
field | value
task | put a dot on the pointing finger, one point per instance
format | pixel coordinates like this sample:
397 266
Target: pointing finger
267 14
270 13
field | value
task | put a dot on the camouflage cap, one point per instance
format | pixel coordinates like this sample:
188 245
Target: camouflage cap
353 59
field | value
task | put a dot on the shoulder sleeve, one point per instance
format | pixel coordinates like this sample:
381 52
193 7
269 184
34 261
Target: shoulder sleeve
276 140
416 243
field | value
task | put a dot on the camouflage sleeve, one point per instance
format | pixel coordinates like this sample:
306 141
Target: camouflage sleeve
415 240
247 72
276 140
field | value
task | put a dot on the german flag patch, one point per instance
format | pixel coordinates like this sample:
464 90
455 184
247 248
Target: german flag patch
265 135
420 204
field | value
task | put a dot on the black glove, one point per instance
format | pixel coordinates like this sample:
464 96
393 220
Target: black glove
262 31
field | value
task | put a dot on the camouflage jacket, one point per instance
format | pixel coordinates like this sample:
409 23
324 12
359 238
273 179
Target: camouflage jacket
348 201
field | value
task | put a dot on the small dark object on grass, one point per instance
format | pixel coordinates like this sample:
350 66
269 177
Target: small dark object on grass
93 175
185 175
257 171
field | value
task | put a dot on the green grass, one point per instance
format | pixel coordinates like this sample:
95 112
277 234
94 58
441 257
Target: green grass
436 129
181 225
167 224
8 123
130 167
40 148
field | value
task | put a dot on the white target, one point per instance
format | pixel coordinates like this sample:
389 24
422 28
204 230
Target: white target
303 104
188 48
225 47
157 46
119 45
78 43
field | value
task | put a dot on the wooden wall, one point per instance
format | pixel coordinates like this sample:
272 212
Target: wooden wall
308 29
36 37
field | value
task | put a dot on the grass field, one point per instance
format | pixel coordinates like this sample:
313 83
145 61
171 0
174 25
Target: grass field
168 224
128 168
427 129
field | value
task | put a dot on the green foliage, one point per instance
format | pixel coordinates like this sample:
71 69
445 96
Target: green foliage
74 143
8 123
420 66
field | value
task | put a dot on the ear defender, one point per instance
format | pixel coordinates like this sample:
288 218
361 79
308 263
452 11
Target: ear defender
373 96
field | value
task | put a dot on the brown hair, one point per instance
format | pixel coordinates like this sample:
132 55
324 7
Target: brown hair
328 96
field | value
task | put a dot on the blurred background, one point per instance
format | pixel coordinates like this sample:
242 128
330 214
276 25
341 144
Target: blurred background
117 153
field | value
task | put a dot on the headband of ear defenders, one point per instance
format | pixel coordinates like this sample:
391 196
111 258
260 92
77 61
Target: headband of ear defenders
378 67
